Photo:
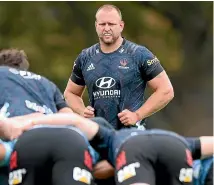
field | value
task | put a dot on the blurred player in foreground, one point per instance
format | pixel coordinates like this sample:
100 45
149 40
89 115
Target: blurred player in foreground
23 92
139 157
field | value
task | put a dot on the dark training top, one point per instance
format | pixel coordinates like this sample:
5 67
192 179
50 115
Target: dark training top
23 92
117 80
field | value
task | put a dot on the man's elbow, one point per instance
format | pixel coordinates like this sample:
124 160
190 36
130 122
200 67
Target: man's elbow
66 94
169 94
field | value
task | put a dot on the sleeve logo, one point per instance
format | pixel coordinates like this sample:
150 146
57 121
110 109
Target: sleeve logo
150 62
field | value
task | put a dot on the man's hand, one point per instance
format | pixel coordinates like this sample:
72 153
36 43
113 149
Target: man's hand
128 118
88 112
11 129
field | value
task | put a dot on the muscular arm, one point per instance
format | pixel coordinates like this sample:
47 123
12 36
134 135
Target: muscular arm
201 147
11 128
207 143
73 95
87 126
37 114
27 116
162 94
65 110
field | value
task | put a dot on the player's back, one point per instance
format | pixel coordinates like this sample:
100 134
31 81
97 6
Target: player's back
125 134
24 92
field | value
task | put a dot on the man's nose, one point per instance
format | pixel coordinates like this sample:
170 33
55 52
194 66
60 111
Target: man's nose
107 27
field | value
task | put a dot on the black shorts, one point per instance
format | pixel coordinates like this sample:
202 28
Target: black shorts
51 156
154 160
4 174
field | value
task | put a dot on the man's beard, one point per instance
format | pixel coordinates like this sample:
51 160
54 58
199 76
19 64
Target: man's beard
109 42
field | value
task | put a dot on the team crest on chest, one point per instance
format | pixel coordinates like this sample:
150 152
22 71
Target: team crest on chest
123 64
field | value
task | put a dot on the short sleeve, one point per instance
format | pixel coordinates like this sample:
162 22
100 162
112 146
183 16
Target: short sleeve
150 66
59 99
195 146
76 75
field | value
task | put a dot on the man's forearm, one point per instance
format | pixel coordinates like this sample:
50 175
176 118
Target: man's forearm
201 147
87 126
154 103
75 103
207 143
27 116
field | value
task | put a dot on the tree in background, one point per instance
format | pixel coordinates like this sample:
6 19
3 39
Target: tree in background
179 33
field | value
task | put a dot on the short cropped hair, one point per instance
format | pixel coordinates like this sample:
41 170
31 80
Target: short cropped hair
109 7
14 58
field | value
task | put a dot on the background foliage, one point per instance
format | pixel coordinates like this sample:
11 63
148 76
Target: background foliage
179 33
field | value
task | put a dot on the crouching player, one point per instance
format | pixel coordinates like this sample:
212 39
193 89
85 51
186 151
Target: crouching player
139 157
47 156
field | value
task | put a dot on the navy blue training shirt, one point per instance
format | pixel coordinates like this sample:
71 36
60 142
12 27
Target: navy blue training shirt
117 80
23 92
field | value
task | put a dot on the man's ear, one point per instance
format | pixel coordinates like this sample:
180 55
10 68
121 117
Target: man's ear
122 24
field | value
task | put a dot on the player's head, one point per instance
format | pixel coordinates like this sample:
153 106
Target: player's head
102 122
109 24
14 58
